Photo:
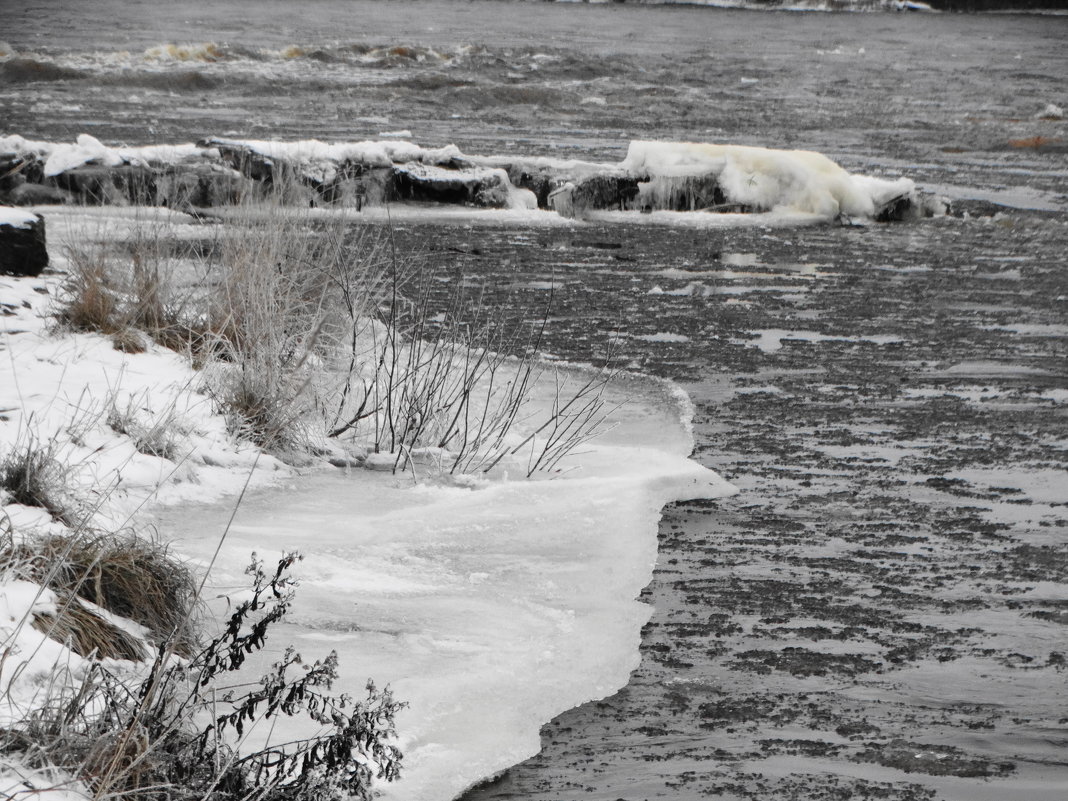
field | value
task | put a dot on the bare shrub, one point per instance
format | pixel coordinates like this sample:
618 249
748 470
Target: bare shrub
447 384
176 733
121 289
577 415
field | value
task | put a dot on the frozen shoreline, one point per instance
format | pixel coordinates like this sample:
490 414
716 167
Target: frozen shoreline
517 602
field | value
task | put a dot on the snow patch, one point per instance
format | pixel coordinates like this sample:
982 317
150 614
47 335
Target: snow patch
59 157
17 218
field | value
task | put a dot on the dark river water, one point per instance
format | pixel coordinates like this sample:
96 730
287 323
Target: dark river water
883 611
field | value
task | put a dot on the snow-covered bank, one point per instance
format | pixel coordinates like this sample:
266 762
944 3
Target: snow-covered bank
60 394
489 604
60 387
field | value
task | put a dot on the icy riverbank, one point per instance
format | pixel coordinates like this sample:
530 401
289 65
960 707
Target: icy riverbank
490 608
490 605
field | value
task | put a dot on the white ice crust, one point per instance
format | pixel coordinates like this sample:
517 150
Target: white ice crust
489 609
799 180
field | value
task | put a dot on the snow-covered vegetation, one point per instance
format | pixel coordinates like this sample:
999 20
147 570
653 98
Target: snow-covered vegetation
168 363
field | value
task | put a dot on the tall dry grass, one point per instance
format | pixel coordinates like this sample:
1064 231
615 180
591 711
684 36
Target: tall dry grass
286 323
32 474
134 291
307 331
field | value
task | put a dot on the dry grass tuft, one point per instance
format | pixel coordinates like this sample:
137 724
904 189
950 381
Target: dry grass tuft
162 435
126 575
130 294
87 633
262 403
127 753
91 297
129 340
32 476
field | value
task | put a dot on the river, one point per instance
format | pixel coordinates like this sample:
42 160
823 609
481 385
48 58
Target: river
881 612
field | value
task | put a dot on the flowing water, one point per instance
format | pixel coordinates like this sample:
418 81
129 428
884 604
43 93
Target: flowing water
881 613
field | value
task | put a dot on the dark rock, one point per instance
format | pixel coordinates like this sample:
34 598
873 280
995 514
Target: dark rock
897 210
540 183
203 186
541 180
356 184
913 206
27 194
179 189
597 192
607 192
121 185
977 208
22 248
16 169
10 165
686 193
422 183
248 162
272 178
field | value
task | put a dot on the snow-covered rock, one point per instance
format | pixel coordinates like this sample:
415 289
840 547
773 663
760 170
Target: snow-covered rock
654 177
1051 112
22 242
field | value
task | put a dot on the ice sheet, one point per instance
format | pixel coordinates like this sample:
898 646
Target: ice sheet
489 609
